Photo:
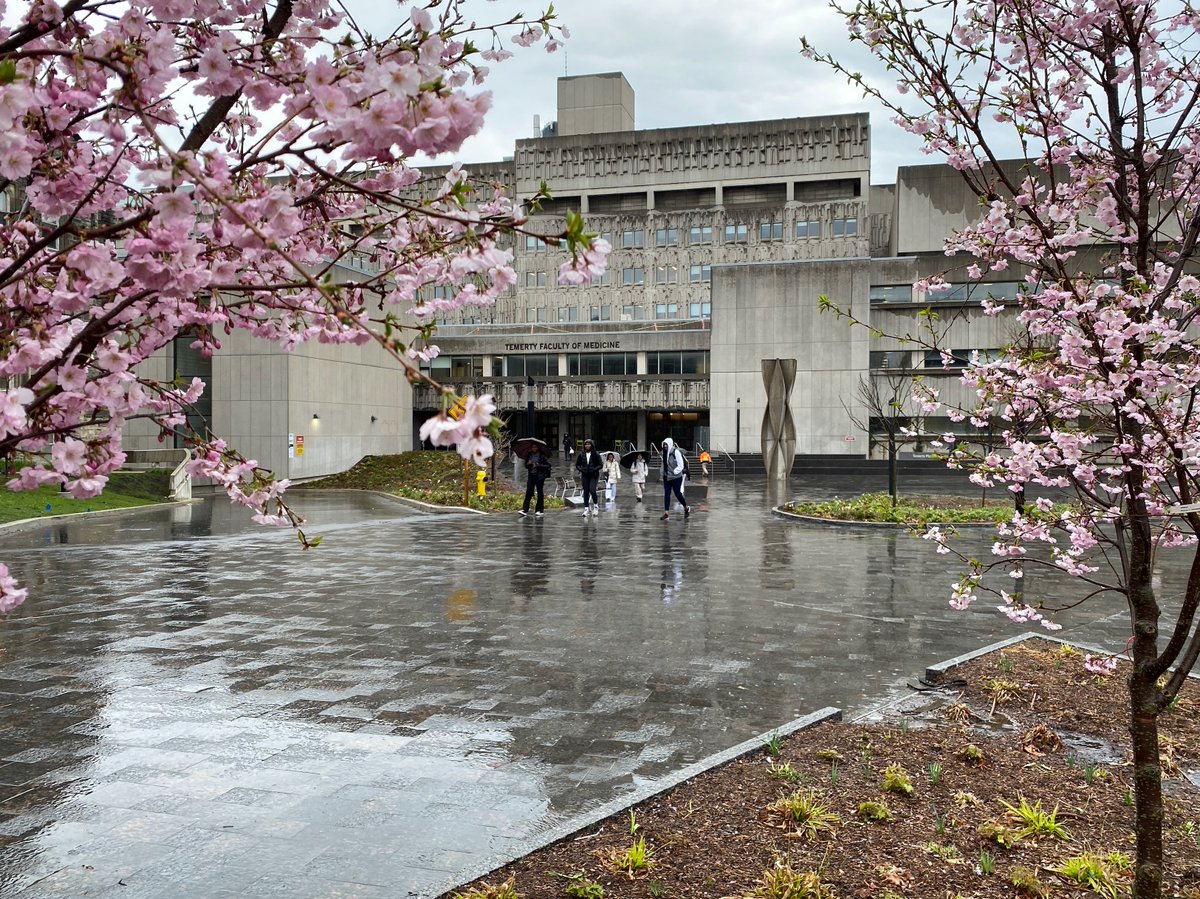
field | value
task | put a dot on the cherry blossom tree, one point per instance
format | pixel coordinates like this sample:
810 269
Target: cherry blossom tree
1101 98
195 167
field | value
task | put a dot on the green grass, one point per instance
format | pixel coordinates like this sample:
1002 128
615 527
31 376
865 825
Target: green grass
911 510
431 477
125 490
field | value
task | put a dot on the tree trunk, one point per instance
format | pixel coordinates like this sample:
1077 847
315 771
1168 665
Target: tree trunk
892 490
1147 788
1143 707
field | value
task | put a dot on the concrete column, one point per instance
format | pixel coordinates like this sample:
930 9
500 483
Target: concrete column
720 190
641 363
641 429
650 200
583 204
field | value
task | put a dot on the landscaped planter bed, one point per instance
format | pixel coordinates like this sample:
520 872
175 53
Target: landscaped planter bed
1031 728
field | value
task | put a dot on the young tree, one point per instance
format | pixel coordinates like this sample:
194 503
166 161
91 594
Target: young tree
192 167
1102 101
885 396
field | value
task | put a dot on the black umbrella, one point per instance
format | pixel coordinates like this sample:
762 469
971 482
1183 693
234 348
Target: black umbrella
524 447
628 459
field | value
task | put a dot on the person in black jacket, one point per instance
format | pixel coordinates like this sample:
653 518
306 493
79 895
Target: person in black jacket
538 466
589 463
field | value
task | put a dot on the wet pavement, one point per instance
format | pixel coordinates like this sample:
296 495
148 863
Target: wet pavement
190 706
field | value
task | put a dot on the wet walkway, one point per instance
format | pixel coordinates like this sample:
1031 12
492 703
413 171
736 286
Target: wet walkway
192 707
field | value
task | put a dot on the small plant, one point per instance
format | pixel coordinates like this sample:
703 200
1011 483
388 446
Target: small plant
896 780
1188 831
1034 821
633 825
1006 663
1128 796
783 882
829 755
904 725
935 773
773 743
656 888
1093 872
963 799
957 713
635 861
802 813
1003 691
1067 651
947 852
939 820
1001 832
1027 883
972 755
1093 772
506 890
872 811
786 772
833 775
1040 739
987 862
580 886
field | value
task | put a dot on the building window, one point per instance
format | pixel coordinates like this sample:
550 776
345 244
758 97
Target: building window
568 313
666 237
891 293
584 364
811 228
677 363
700 310
634 275
770 231
605 313
890 359
666 310
699 273
666 274
736 233
958 359
631 313
632 240
531 314
534 244
618 363
536 279
845 227
700 235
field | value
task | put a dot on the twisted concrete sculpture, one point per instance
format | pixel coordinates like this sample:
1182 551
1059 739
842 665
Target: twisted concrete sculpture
778 430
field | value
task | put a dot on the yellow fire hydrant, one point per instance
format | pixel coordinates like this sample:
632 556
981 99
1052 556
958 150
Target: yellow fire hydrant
481 483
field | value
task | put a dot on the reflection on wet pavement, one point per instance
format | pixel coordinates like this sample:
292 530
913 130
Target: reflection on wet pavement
192 707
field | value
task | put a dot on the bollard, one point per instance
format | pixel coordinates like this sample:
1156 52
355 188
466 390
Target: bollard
481 483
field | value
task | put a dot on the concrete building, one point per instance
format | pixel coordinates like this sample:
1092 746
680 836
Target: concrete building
725 238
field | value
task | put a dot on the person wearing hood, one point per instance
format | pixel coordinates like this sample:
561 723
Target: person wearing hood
589 463
612 468
673 469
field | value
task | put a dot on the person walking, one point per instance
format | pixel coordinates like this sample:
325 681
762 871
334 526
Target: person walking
672 478
567 447
637 473
612 467
589 463
537 467
705 458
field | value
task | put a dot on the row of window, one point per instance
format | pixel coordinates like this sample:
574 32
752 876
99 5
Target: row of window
700 235
931 359
957 293
546 365
629 312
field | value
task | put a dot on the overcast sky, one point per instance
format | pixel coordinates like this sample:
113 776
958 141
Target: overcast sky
690 62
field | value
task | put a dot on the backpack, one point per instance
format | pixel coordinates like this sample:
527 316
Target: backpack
687 471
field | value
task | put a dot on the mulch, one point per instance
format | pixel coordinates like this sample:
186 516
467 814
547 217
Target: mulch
1029 726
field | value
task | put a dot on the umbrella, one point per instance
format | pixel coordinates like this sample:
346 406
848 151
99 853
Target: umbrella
628 459
524 447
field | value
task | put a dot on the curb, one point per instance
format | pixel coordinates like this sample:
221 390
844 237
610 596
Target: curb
403 500
780 512
628 800
30 523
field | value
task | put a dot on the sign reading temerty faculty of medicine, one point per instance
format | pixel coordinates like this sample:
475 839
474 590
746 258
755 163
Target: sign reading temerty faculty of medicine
565 345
